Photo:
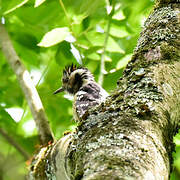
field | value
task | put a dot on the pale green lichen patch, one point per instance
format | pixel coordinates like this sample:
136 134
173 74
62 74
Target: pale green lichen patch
161 25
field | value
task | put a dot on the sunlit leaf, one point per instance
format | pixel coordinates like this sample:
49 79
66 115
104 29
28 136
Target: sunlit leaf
15 7
177 139
112 46
119 15
107 59
54 36
98 39
77 19
38 3
118 31
6 121
94 56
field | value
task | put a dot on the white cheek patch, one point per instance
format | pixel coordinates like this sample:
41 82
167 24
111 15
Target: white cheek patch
81 93
79 97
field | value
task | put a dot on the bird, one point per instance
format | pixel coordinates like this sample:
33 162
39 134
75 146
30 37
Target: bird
80 82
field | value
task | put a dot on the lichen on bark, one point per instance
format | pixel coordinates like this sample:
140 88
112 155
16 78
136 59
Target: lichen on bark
130 135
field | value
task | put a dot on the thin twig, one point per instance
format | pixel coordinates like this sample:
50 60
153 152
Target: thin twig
27 86
70 26
102 65
65 12
14 144
43 73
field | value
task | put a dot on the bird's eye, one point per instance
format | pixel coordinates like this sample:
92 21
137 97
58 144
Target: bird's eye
65 80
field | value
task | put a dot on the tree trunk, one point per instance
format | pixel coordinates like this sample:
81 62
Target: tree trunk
130 136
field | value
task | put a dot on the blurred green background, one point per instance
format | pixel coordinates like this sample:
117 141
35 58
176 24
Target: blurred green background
47 35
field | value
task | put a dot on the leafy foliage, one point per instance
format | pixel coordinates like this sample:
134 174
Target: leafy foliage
47 35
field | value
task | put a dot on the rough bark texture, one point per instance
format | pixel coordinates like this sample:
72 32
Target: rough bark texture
130 136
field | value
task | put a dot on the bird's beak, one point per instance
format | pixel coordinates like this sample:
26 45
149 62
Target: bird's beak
59 90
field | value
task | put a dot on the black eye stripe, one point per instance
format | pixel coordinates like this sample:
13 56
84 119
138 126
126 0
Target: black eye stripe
84 76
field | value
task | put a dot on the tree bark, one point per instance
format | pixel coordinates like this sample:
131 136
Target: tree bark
130 136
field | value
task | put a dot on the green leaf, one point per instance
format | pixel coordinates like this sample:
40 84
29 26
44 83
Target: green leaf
118 31
54 36
113 46
177 139
63 53
77 19
93 56
25 53
83 8
6 121
110 80
95 38
123 62
98 39
38 3
119 15
17 5
90 6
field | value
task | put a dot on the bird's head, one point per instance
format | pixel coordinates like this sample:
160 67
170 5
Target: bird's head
74 78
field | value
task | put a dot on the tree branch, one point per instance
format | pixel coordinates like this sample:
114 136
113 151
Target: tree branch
14 144
55 154
27 86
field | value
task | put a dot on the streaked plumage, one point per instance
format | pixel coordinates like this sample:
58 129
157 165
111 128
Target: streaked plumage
79 82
